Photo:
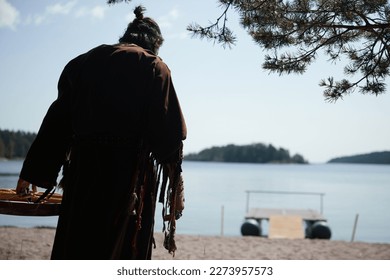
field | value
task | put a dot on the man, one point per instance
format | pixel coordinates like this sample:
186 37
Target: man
115 129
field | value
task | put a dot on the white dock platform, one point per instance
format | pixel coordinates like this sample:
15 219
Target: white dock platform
290 227
293 223
266 213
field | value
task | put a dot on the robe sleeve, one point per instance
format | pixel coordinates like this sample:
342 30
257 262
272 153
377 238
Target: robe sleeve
167 128
48 151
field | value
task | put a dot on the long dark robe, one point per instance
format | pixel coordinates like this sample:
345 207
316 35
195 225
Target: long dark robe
115 123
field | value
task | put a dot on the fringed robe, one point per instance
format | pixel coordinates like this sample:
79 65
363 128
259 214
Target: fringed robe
116 129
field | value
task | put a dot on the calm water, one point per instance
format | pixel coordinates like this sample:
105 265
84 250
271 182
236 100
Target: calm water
349 190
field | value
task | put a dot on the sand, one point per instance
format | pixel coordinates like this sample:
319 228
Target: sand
36 243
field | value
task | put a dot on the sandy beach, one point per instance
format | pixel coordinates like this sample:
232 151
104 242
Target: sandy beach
36 243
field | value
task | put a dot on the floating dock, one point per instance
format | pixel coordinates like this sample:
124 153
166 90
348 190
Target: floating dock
266 213
286 227
286 223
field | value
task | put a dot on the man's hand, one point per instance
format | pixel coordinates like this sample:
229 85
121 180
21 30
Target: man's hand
23 187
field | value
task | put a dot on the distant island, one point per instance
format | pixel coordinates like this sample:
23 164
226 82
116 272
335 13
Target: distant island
371 158
15 144
253 153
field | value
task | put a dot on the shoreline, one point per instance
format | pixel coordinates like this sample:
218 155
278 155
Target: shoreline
18 243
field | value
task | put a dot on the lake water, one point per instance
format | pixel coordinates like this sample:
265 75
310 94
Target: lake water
350 189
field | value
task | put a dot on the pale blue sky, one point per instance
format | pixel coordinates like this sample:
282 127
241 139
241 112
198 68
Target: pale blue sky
225 95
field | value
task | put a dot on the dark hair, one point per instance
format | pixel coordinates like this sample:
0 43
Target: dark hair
143 31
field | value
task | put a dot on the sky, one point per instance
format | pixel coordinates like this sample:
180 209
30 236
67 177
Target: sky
226 97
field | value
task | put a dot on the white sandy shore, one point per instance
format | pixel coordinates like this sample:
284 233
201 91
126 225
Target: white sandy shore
36 244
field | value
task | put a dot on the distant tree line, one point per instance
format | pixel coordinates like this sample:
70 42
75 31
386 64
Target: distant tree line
371 158
253 153
15 144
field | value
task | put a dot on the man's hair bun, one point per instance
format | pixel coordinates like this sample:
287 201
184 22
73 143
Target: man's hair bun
139 12
143 31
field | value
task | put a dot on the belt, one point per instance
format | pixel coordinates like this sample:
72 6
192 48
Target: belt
103 139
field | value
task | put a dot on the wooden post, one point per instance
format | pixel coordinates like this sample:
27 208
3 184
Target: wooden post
247 202
354 228
222 219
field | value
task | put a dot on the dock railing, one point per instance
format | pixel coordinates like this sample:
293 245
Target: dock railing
321 195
